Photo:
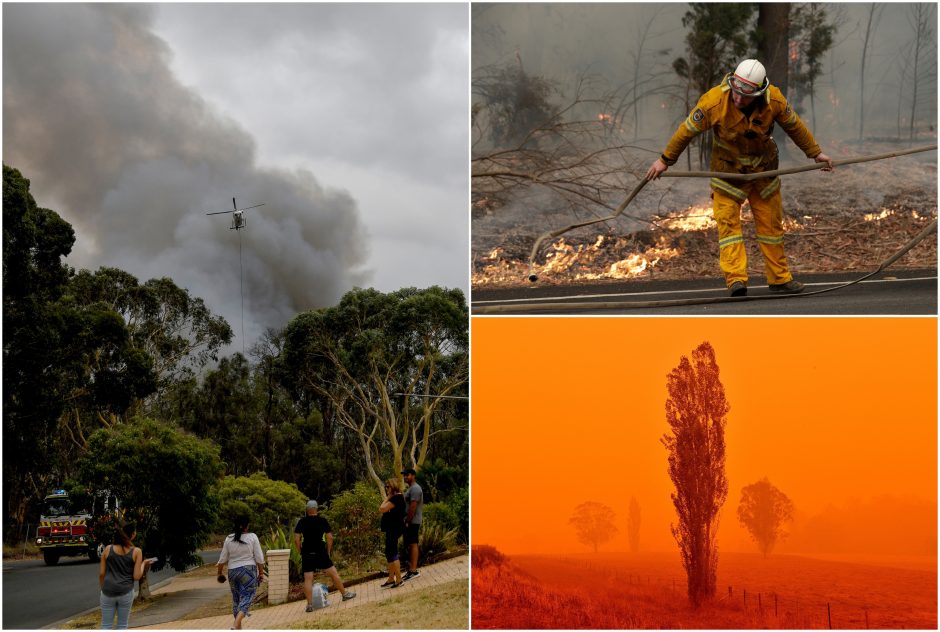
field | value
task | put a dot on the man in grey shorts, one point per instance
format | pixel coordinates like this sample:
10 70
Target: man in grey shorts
414 501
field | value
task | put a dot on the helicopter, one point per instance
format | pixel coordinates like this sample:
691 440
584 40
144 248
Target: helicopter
238 215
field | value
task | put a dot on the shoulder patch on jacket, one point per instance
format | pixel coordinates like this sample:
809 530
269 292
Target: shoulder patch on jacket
698 116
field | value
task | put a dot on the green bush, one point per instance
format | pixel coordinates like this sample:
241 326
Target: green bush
281 538
440 480
434 539
354 518
442 514
459 502
268 504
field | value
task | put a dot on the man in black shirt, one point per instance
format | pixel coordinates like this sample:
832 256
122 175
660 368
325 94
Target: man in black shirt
314 538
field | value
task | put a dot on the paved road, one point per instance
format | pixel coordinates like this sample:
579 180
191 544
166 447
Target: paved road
907 292
36 595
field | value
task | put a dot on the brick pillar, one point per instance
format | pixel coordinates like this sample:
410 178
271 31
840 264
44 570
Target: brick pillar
278 575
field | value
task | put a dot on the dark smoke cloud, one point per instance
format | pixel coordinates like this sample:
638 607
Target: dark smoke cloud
111 139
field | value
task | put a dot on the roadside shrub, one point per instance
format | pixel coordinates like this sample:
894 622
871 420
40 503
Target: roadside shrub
268 504
354 517
459 502
281 538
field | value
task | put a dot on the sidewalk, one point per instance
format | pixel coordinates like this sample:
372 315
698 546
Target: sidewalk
190 592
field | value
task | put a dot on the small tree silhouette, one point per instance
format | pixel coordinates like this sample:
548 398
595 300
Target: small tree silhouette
763 511
695 410
594 523
633 525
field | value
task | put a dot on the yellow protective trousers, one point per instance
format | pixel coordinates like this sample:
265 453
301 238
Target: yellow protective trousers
768 221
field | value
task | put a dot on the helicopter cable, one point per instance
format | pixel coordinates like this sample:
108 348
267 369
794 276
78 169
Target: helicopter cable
241 286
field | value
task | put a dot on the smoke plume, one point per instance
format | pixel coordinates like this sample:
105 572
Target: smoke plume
111 139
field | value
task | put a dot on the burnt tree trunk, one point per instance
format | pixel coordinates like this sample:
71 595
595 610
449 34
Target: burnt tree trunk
773 22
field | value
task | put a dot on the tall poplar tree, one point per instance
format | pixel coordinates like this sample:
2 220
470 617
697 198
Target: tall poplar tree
696 410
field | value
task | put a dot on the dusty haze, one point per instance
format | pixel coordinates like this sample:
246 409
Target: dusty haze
840 414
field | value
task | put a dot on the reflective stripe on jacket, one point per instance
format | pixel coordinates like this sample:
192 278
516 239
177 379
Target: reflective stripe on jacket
742 145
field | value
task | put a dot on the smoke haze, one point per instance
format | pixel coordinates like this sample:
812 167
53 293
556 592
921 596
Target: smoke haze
564 41
98 118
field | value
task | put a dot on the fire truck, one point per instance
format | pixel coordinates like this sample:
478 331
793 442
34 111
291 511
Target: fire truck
66 529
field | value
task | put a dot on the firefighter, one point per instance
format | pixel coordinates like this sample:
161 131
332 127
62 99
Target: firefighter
742 111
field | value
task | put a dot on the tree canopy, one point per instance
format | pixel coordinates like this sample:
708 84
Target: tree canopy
267 504
593 523
164 477
763 511
383 366
695 411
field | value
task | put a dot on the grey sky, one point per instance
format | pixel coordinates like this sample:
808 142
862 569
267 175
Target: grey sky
348 120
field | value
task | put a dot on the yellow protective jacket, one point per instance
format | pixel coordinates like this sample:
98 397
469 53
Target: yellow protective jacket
742 144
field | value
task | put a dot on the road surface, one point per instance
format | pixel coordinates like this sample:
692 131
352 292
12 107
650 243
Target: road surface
36 595
906 292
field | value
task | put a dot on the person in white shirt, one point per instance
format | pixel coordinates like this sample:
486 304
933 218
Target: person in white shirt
242 553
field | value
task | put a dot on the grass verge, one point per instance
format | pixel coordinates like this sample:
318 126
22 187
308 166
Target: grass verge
444 608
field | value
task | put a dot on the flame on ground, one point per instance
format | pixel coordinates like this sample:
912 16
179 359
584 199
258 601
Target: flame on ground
582 259
701 217
877 217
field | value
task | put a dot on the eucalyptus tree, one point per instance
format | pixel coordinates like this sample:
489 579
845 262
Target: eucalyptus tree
763 511
593 523
720 34
382 366
35 240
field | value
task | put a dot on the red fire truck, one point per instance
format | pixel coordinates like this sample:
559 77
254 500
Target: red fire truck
66 529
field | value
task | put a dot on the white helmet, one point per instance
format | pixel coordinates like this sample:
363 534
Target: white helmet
749 78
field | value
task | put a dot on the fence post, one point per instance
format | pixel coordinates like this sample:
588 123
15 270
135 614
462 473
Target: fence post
278 575
759 606
26 539
866 618
775 604
745 598
829 612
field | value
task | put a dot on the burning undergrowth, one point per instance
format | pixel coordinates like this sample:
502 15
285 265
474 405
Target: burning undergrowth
853 227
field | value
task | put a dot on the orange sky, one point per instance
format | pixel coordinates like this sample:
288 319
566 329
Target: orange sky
834 411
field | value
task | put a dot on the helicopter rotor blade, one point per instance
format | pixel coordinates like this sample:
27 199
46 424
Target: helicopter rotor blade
248 207
219 212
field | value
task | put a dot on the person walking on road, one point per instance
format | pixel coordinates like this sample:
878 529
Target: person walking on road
393 524
241 551
414 501
741 111
314 538
121 565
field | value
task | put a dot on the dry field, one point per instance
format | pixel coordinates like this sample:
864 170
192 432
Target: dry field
648 591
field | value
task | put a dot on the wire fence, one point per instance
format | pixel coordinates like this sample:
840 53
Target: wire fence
768 608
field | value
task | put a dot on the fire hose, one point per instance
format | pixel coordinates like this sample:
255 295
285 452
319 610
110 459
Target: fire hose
598 305
701 301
